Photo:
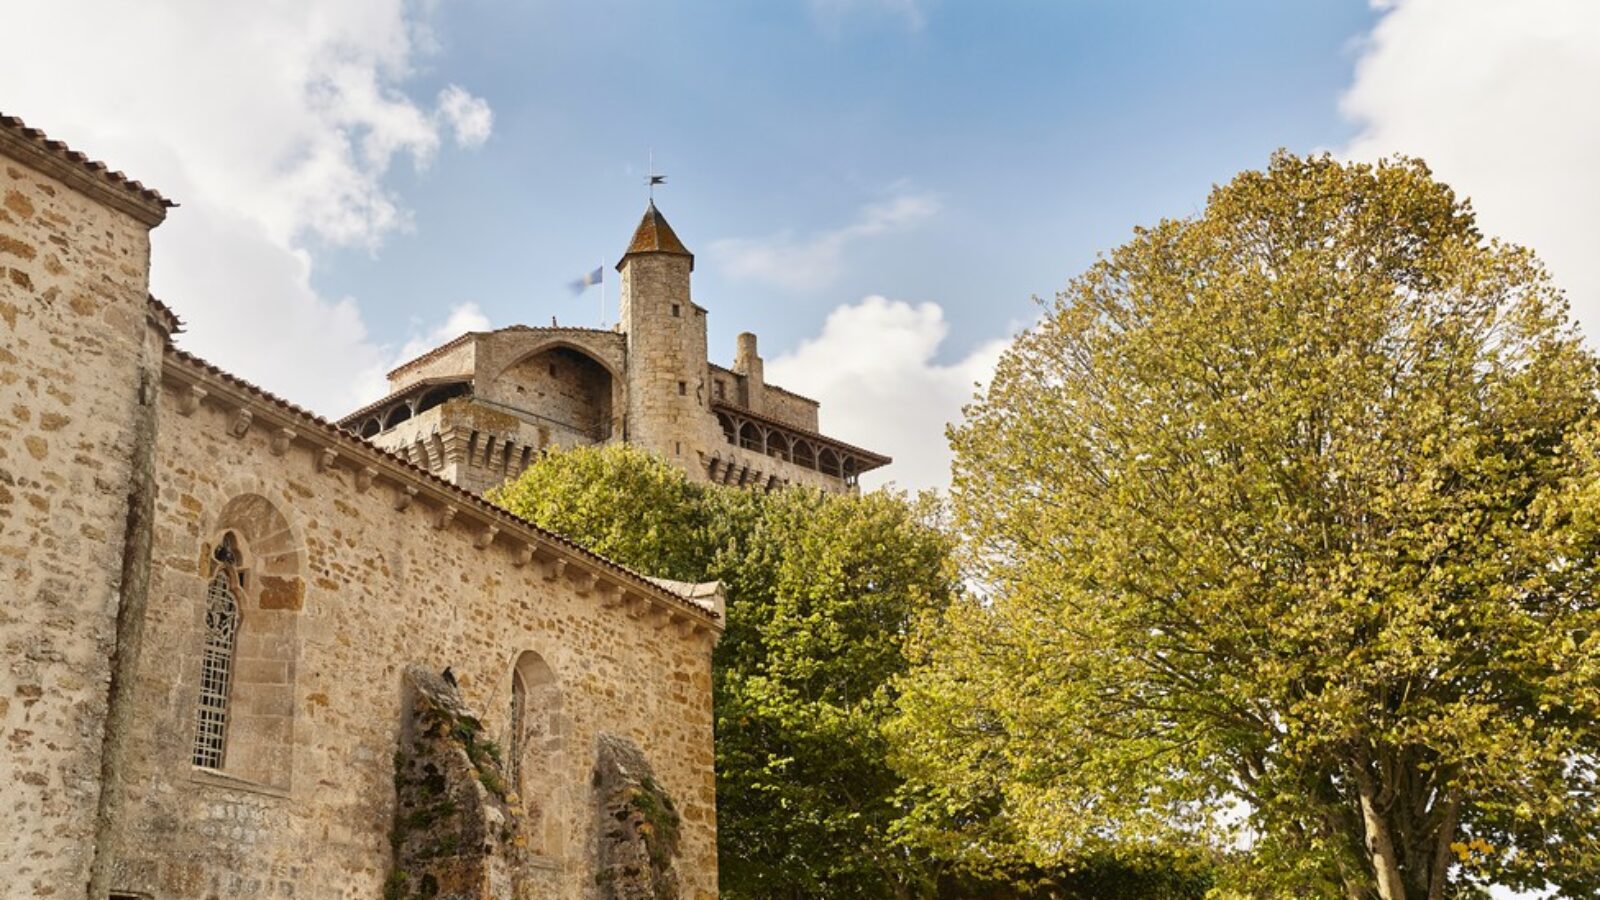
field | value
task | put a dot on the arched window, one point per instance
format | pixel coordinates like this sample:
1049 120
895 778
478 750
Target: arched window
216 658
534 756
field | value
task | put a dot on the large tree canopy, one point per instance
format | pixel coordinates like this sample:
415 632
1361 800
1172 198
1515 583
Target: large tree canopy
822 591
1286 520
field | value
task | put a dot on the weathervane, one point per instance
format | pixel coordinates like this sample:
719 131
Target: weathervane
653 179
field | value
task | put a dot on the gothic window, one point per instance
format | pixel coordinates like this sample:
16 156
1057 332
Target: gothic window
216 659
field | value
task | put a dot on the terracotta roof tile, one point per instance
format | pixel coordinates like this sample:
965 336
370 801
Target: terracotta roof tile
18 137
460 494
654 235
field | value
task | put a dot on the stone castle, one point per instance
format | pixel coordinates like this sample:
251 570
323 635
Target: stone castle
477 409
252 653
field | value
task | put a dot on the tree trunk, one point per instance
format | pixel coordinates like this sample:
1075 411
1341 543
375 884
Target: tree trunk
1441 847
1379 840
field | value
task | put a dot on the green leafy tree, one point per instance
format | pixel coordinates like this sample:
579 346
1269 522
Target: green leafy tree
1286 517
822 591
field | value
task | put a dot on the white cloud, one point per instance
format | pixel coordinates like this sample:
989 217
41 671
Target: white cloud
874 370
275 125
463 317
1499 99
800 264
470 117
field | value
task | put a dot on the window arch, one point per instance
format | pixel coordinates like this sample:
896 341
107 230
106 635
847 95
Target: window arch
249 594
534 752
216 658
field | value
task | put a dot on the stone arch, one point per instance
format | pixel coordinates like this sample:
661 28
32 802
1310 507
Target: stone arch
267 566
535 751
371 427
395 416
563 384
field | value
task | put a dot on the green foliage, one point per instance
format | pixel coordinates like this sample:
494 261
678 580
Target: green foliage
1286 515
619 502
822 591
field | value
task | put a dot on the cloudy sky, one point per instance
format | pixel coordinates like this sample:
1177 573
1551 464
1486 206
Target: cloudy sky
877 187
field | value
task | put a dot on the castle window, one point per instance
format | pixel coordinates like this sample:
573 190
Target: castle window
722 389
216 660
676 311
683 388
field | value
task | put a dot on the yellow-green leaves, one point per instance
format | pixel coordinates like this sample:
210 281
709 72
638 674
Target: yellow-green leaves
1296 493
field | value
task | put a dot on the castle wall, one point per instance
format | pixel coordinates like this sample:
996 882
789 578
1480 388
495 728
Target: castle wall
558 386
791 409
74 343
369 588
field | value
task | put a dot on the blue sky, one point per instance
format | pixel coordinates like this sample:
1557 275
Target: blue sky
877 187
1041 131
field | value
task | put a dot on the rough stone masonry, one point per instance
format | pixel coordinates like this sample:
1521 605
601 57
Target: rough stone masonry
225 617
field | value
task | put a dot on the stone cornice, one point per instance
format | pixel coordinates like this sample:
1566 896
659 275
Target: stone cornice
485 525
31 147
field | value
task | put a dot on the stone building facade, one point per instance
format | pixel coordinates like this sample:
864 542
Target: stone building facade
478 409
222 612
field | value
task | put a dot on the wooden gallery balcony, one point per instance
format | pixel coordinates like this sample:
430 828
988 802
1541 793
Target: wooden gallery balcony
798 447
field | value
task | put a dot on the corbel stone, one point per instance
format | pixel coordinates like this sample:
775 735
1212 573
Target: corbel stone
281 439
241 422
611 595
189 400
660 616
447 513
553 568
486 536
403 496
364 478
524 555
584 583
327 458
683 623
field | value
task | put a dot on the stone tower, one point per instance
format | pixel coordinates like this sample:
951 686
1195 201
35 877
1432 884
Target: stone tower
479 409
80 368
666 335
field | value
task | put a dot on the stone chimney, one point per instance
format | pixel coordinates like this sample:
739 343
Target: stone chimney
747 362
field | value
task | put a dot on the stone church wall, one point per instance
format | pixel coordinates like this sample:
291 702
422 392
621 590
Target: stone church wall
74 345
349 589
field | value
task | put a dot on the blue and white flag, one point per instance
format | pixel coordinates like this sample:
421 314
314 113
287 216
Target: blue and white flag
583 283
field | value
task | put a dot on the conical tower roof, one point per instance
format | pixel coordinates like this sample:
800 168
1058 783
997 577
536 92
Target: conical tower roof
654 235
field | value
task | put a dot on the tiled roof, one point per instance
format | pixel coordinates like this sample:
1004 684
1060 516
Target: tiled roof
460 495
654 235
34 147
